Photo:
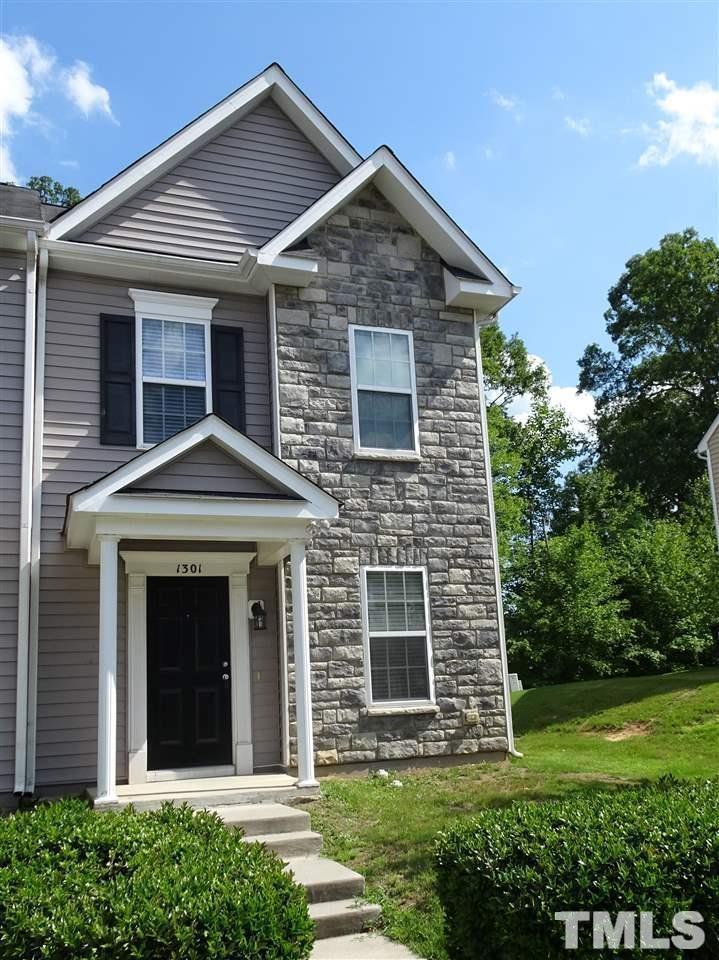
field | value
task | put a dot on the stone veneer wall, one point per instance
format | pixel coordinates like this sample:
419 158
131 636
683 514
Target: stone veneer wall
377 271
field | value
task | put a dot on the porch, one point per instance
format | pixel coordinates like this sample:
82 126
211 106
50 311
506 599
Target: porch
204 792
186 560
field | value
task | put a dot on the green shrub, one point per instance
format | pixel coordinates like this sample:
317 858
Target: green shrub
504 874
168 885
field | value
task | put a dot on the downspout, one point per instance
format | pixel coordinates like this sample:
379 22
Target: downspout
24 549
38 425
281 576
495 542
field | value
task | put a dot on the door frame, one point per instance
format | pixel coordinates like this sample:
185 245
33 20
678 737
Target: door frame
141 564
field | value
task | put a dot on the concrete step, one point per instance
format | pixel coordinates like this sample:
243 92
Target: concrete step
206 799
325 880
340 917
261 819
366 946
299 843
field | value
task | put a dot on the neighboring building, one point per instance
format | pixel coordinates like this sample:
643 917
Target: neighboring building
248 521
708 450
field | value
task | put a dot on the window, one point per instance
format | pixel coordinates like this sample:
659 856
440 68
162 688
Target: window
173 363
398 648
384 401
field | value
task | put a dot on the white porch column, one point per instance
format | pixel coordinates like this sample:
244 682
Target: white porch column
241 675
107 681
303 687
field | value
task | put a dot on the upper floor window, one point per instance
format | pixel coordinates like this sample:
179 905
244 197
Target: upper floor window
384 394
173 377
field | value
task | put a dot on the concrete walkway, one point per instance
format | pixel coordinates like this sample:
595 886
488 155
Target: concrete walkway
362 946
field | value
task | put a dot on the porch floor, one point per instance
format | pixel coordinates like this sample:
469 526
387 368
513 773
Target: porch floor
209 791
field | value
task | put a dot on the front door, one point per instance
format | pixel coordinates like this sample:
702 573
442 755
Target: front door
188 672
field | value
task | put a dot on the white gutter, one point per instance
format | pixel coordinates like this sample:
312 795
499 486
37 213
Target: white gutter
38 422
23 599
274 373
495 541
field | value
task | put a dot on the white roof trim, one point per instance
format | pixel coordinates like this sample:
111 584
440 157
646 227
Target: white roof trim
407 195
252 274
96 498
704 442
172 305
272 82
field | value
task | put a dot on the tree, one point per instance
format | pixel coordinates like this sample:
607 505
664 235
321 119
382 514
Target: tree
566 617
546 442
52 191
659 389
509 373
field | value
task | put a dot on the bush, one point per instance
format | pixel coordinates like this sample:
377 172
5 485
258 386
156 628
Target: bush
504 874
171 885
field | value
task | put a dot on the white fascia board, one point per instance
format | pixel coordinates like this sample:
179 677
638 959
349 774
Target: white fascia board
475 294
410 199
252 274
704 442
271 82
285 269
179 506
93 498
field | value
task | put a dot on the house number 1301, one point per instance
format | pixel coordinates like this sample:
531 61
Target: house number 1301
189 568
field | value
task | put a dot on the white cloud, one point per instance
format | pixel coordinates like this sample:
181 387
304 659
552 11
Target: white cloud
488 153
558 93
507 102
69 163
449 160
8 173
691 126
579 407
87 96
580 125
28 71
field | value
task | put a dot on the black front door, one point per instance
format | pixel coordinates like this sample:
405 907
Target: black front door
188 672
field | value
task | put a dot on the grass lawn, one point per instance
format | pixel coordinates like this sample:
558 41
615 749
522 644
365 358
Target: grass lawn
579 736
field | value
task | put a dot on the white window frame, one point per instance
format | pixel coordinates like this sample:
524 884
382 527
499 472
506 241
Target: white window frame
409 705
382 453
157 305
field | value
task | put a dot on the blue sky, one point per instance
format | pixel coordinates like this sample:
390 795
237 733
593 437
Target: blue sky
564 137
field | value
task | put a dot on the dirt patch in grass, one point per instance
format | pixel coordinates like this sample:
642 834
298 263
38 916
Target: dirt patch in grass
641 728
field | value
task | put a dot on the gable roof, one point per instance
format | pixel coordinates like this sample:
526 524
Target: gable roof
416 205
704 442
95 497
271 82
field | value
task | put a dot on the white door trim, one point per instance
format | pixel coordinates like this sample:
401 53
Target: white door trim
139 565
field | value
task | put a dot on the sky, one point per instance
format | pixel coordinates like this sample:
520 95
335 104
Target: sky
563 137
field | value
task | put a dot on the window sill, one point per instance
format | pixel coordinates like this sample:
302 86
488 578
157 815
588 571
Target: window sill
398 455
400 710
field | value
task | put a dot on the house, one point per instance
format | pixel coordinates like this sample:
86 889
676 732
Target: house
708 450
248 524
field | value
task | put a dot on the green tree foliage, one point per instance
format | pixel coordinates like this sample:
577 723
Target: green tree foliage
566 617
508 374
658 390
52 191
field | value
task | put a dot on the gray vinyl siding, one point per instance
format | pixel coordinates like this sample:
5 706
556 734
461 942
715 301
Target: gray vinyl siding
714 455
72 458
12 333
714 472
239 190
264 657
210 469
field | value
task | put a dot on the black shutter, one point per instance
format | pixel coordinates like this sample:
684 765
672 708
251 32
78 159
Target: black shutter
228 375
117 380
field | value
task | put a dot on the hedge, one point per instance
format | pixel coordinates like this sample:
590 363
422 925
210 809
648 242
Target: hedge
503 875
172 885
